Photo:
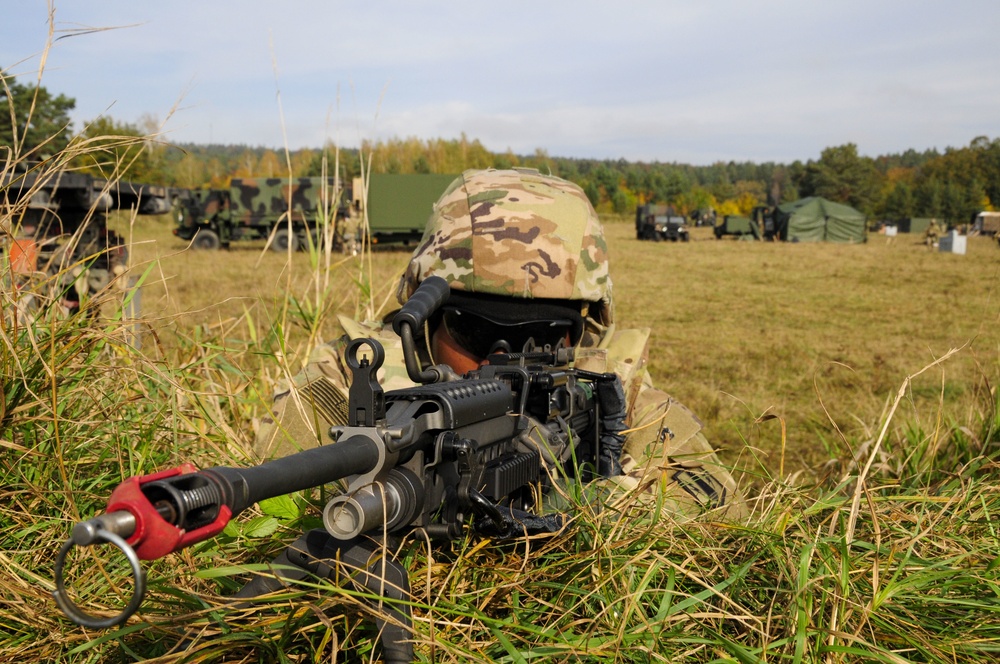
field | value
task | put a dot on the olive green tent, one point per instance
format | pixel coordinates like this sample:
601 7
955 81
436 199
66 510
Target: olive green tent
816 219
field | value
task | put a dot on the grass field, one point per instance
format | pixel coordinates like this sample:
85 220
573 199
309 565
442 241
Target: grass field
820 336
806 363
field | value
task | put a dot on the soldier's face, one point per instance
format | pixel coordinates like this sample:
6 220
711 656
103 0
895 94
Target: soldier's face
463 341
448 351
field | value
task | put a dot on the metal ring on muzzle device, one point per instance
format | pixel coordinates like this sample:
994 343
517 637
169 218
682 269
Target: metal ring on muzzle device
392 503
77 615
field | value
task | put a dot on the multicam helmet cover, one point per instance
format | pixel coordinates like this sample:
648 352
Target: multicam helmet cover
515 233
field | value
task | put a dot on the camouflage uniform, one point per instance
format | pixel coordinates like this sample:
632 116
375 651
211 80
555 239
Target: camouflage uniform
520 234
932 234
351 231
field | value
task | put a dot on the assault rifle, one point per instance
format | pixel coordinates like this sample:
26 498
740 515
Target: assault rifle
450 453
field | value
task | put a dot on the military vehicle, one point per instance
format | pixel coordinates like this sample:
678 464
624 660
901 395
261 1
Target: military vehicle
287 212
744 228
703 217
399 204
55 225
987 223
660 222
912 225
759 225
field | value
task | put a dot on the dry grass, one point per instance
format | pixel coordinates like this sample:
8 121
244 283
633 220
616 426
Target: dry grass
752 336
795 349
820 336
899 568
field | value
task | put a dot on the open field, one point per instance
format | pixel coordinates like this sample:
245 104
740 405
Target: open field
870 533
898 567
820 336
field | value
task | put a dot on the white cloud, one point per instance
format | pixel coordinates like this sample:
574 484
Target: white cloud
666 80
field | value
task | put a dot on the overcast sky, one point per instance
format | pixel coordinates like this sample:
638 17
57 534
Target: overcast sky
653 80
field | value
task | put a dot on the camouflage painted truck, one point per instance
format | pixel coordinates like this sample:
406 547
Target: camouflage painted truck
287 212
54 231
392 210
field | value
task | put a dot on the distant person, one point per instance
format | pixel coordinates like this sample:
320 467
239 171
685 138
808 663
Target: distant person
932 234
351 234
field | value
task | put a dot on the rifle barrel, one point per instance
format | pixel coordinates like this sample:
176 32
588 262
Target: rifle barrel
303 470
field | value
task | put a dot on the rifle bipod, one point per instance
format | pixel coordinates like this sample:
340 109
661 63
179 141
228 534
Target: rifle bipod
364 561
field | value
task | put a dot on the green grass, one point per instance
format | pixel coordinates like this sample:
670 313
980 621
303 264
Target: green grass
867 449
900 568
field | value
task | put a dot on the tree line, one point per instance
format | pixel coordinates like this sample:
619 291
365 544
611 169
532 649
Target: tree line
952 185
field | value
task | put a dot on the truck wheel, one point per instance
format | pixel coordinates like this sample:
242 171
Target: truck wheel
307 238
283 241
206 239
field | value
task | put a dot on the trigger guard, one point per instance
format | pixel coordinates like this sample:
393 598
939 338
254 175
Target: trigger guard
77 615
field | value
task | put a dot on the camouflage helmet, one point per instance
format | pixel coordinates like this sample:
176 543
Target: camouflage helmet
515 233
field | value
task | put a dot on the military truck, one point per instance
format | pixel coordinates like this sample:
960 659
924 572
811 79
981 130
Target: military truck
287 212
660 222
54 225
743 228
987 223
398 205
914 225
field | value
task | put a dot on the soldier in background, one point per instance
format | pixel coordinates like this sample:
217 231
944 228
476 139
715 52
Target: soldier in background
351 235
932 234
525 256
